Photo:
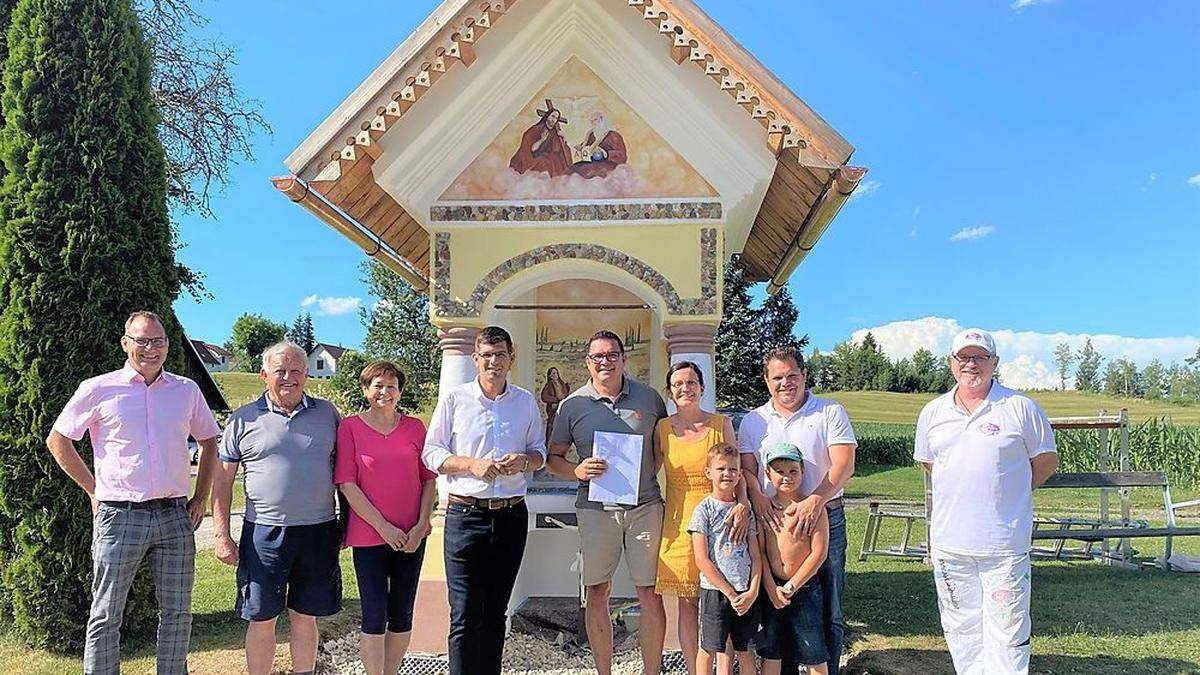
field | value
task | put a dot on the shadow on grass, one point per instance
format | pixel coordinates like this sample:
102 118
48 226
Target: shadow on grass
1068 599
931 662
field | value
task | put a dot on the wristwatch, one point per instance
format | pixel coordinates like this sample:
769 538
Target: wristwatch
788 588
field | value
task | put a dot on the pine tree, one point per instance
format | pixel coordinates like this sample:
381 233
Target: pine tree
777 323
308 339
301 332
84 240
739 364
1087 373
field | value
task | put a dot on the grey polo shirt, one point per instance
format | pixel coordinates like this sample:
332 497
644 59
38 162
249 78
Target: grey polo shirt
287 460
636 410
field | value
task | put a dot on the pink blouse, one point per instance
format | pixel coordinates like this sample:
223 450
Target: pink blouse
388 469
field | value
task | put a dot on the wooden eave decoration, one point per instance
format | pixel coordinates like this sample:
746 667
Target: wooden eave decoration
346 180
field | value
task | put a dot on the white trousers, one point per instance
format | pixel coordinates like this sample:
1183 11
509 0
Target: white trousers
984 605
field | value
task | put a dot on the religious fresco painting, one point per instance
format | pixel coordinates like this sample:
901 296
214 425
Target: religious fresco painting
562 336
577 140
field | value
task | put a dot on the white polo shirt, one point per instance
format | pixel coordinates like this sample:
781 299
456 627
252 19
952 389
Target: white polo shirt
982 479
818 424
467 423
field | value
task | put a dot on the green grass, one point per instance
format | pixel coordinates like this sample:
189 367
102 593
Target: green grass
218 636
242 388
1087 618
885 406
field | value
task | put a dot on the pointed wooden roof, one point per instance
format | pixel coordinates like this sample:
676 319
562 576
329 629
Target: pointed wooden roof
331 169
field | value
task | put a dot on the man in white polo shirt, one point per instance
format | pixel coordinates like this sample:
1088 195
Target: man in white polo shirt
986 447
821 430
486 437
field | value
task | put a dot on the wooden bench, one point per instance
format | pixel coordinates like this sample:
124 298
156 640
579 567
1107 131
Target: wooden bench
877 513
1088 531
1126 529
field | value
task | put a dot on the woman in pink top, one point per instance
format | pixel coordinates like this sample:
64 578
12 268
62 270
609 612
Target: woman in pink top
391 494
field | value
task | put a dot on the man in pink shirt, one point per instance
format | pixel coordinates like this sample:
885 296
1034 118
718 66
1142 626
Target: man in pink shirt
139 419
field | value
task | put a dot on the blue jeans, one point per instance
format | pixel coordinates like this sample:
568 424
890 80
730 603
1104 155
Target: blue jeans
483 550
832 577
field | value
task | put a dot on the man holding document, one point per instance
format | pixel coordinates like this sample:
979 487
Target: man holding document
610 420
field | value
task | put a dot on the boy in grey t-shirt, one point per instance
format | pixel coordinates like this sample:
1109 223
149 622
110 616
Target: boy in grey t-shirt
729 572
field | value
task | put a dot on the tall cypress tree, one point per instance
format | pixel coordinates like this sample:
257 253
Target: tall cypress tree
7 541
84 240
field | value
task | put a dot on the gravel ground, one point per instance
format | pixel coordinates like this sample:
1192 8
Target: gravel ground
523 655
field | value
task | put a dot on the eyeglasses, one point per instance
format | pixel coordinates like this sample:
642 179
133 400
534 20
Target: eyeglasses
686 384
145 342
611 357
498 356
977 360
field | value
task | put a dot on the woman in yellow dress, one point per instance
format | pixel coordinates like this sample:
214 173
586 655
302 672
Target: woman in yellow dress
681 444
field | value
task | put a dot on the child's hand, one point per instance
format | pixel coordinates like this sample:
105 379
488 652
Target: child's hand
742 602
778 598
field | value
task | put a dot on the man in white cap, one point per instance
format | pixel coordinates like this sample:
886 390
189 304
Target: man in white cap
986 447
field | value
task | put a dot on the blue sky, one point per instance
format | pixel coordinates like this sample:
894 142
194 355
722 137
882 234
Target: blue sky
1056 139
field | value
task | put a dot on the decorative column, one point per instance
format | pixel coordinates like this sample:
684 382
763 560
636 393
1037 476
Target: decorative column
457 344
694 342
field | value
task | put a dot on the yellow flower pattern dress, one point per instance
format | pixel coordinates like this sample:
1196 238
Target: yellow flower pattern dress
686 486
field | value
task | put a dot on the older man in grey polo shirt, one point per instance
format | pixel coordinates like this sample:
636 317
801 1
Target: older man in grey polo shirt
288 550
612 401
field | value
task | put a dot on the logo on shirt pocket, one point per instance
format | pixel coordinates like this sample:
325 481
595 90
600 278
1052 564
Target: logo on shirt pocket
989 429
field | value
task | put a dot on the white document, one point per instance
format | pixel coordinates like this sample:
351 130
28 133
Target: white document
619 484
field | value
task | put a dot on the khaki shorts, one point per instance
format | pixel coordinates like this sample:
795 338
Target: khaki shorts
605 534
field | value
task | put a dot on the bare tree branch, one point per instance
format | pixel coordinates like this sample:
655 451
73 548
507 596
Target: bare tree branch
207 121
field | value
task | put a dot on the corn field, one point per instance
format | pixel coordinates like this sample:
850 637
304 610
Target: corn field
887 444
1154 445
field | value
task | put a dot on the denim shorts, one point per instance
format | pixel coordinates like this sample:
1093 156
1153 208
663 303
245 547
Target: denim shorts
294 567
719 623
796 632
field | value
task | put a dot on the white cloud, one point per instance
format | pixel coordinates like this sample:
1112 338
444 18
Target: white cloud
1019 5
1026 357
331 306
1194 180
865 189
969 233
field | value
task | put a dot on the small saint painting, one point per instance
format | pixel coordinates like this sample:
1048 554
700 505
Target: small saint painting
577 140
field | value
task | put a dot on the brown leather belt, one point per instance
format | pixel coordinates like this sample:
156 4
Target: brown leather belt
492 504
835 503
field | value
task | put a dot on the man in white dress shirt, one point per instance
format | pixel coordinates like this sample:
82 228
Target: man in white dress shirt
987 447
485 436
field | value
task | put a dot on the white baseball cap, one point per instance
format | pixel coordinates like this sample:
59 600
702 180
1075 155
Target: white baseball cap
973 337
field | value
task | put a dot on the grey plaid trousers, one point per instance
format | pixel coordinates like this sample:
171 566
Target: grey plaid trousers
121 539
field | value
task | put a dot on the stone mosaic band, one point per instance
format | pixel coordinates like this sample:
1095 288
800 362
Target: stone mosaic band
450 307
538 213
